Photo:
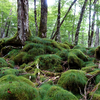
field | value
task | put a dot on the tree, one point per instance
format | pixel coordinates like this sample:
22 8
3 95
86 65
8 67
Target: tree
35 13
79 22
43 19
57 38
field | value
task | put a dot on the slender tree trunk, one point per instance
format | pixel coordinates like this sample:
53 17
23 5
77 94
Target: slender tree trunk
57 38
93 23
68 36
7 29
43 20
73 25
23 21
35 17
89 23
79 22
64 17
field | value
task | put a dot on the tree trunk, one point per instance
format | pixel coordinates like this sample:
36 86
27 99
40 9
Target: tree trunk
7 29
57 38
89 23
68 36
73 25
79 22
93 23
23 21
64 17
35 17
43 20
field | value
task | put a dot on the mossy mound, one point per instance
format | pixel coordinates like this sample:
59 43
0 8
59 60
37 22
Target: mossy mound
18 91
91 51
48 61
79 54
3 63
97 52
12 53
21 58
83 49
90 66
72 80
6 71
74 62
95 92
28 69
63 54
57 93
11 78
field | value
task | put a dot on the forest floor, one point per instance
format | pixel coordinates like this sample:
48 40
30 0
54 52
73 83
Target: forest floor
44 69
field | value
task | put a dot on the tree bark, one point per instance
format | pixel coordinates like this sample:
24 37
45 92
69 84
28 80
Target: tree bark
6 35
23 21
43 20
89 23
57 38
79 22
35 13
93 23
64 17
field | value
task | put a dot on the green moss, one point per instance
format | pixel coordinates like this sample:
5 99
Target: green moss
74 62
64 45
12 53
73 79
57 93
63 54
81 48
95 72
23 65
10 78
28 69
21 58
6 70
91 51
97 80
19 91
48 61
97 52
3 63
80 54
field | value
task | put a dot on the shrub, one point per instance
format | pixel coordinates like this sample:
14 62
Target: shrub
73 79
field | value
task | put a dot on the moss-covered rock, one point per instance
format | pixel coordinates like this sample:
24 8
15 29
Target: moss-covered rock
6 71
72 80
22 57
48 61
79 54
18 91
57 93
74 62
11 78
80 47
3 63
97 52
91 51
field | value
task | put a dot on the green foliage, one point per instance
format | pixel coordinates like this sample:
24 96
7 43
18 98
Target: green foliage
3 63
57 93
72 80
97 80
28 69
18 91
